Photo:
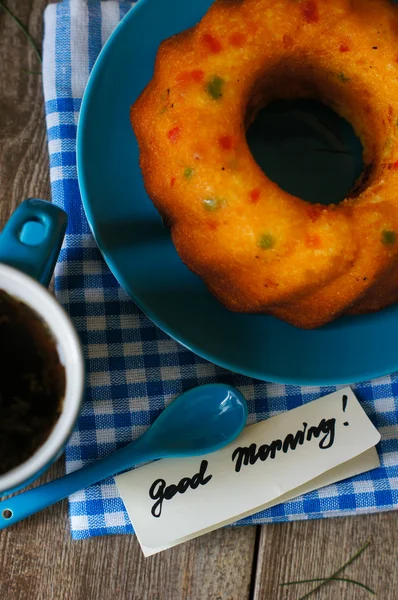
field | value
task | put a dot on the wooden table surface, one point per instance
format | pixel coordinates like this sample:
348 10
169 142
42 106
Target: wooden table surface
38 559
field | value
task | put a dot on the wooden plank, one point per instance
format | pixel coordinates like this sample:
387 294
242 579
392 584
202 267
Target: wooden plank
38 560
23 146
309 549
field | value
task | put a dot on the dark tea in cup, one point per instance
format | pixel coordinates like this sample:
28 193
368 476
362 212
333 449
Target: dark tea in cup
32 382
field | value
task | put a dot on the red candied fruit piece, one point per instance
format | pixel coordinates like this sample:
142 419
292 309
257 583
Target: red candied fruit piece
314 212
197 75
183 77
212 225
344 47
172 181
287 41
174 134
310 11
226 142
211 43
393 166
237 39
252 28
254 195
187 76
313 241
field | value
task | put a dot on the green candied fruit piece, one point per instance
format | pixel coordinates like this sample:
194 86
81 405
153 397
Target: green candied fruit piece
214 87
189 172
343 77
388 238
212 204
266 241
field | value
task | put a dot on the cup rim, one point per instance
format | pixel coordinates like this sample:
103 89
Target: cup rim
38 298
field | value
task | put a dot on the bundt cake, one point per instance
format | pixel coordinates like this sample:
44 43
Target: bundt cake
258 248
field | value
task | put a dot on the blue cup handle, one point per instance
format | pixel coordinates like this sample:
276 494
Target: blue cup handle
32 238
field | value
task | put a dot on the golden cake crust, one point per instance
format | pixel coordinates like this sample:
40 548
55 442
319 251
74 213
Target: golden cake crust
257 248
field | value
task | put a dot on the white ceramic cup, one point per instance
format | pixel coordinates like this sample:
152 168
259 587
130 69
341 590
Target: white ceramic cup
41 243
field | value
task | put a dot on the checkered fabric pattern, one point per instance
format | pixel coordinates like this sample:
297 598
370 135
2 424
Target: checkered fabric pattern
134 369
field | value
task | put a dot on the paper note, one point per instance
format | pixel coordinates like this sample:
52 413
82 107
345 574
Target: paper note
173 500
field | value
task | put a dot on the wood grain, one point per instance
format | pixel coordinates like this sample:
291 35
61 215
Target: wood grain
23 150
309 549
38 560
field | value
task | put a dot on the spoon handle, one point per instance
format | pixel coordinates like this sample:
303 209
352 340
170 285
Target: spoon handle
19 507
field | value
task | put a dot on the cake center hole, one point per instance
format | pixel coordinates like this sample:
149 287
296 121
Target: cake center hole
307 149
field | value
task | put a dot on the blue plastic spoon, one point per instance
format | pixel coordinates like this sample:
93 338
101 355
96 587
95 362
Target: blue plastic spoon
200 421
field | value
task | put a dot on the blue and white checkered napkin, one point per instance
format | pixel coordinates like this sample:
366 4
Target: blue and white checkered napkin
134 369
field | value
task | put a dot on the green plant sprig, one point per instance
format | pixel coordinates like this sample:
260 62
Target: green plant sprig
346 579
26 33
334 577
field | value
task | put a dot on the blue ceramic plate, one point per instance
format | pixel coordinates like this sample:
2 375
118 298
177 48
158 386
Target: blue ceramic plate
139 251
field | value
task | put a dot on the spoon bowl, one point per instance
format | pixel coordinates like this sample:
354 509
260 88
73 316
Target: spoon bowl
200 421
